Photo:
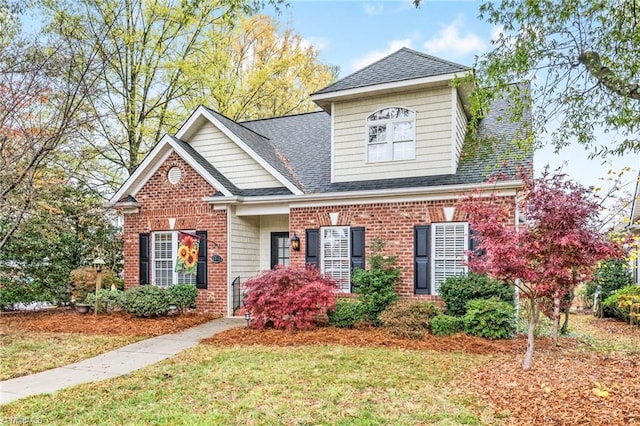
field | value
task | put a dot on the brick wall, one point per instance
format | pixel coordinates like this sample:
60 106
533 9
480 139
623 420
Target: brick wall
393 222
160 201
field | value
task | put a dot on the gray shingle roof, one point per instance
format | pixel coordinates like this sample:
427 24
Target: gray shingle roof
260 144
404 64
305 140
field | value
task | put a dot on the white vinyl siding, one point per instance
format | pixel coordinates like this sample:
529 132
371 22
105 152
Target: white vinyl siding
450 242
433 127
164 253
231 160
335 255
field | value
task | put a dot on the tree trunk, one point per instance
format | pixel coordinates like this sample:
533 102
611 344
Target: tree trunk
533 323
556 318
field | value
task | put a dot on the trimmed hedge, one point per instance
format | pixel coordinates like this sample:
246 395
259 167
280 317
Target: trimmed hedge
346 313
183 296
108 299
446 325
146 301
490 318
456 292
409 319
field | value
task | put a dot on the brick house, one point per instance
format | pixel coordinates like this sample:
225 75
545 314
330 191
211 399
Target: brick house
384 157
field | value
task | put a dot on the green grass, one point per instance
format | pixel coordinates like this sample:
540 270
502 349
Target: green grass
319 385
32 352
585 329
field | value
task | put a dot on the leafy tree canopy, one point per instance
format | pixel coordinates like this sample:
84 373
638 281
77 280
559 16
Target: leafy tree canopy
582 59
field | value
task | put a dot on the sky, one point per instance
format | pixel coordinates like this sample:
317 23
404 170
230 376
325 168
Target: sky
355 33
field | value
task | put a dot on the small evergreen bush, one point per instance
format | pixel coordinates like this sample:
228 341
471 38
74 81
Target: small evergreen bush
409 319
183 296
490 318
288 297
146 301
457 291
375 286
446 325
346 313
107 299
611 305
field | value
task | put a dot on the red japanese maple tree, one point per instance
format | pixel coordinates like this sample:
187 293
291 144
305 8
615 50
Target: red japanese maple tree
546 256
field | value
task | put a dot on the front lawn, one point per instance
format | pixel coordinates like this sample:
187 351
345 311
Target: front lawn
31 352
271 385
362 377
31 342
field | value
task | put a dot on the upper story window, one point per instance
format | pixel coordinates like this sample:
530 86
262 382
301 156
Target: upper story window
391 135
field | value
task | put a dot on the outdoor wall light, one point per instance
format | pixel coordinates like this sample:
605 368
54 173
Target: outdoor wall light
295 243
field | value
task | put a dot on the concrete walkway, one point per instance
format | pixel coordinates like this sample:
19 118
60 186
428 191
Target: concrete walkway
114 363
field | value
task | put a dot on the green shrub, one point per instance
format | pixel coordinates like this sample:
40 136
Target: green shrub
183 296
610 276
611 305
146 301
375 286
490 318
83 282
107 299
457 291
346 313
409 319
446 325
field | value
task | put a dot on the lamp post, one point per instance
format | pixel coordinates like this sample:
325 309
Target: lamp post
247 317
98 263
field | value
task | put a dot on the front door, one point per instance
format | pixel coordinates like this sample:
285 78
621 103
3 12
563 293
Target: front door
279 249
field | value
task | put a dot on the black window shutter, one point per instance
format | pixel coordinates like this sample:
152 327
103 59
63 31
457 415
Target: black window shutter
421 260
357 248
201 276
312 247
474 243
144 259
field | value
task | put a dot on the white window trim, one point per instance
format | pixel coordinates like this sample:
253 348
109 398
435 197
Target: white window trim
174 246
322 254
389 142
433 251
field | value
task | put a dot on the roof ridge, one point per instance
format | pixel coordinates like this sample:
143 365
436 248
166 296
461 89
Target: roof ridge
238 123
435 58
281 116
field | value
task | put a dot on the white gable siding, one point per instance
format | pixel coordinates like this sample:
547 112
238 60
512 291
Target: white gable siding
433 136
460 129
235 164
245 246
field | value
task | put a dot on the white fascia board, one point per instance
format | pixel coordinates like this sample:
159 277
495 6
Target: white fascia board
262 209
203 112
386 86
152 161
443 192
454 126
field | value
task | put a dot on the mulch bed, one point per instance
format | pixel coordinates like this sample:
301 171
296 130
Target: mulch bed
370 337
115 324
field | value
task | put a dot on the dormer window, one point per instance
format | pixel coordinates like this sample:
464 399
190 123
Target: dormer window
391 135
